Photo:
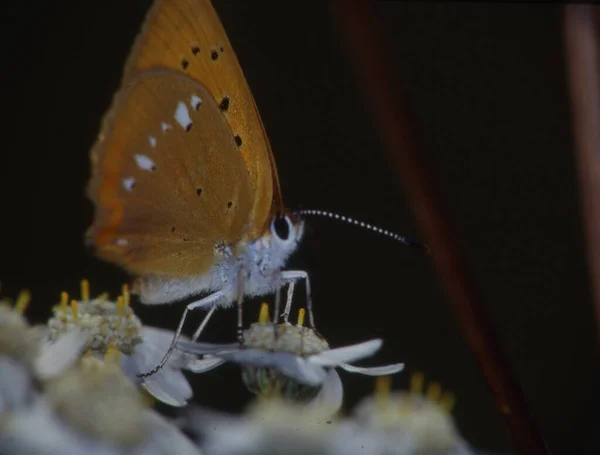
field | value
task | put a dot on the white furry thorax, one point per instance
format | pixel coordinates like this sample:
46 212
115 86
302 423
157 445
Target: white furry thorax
259 263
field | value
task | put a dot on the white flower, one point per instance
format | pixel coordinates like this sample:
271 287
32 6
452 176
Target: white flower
270 426
398 423
92 409
114 326
168 385
403 423
290 360
27 356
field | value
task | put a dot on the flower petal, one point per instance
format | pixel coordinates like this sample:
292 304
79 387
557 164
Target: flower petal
56 357
374 371
169 387
37 430
130 368
16 385
220 433
204 365
165 437
330 397
205 348
334 357
156 342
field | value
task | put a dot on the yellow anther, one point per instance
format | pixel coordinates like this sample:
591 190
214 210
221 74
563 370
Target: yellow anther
22 301
126 295
263 316
64 301
416 383
383 387
301 313
120 309
103 296
85 290
447 401
434 391
74 310
120 305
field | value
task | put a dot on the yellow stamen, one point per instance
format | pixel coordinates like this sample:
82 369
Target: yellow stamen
85 290
383 386
263 316
22 301
301 313
103 296
74 310
434 391
447 402
416 383
120 308
126 296
120 305
64 301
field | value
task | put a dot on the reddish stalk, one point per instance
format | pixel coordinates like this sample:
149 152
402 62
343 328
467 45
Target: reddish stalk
582 59
366 45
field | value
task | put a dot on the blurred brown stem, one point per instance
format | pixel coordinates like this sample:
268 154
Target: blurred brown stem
581 46
367 46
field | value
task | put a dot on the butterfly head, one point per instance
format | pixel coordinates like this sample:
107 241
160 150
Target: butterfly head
286 230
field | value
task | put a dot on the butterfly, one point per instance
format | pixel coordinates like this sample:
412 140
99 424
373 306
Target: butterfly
184 183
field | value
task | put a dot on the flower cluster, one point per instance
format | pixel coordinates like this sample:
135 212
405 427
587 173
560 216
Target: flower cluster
113 325
56 397
72 387
398 423
288 361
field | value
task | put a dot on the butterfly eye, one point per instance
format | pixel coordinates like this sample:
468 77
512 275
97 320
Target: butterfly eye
281 227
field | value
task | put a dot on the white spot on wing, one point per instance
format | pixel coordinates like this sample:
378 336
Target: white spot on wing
122 242
196 102
129 183
144 162
182 115
165 126
152 141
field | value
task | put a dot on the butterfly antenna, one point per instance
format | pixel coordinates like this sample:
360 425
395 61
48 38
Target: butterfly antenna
346 219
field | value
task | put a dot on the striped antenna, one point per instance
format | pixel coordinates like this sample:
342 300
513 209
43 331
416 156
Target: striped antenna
400 238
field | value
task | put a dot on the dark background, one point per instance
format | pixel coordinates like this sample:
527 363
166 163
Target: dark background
488 88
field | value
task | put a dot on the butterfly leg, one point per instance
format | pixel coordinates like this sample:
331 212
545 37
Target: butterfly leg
200 328
291 276
211 301
278 285
288 303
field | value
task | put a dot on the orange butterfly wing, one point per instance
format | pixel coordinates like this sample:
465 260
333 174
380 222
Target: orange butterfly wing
187 35
161 226
169 183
